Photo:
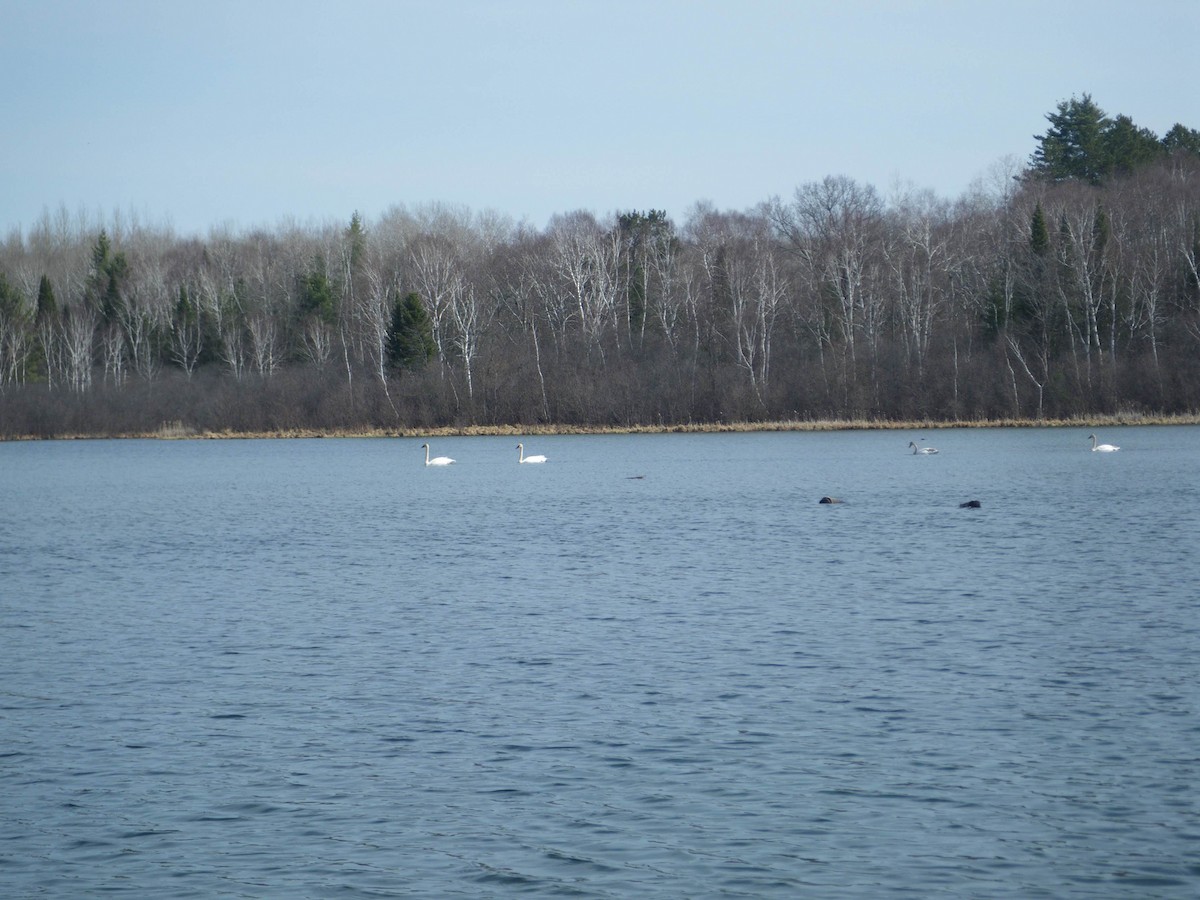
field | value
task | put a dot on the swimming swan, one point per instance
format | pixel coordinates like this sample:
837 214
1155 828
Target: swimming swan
437 460
922 451
522 458
1102 448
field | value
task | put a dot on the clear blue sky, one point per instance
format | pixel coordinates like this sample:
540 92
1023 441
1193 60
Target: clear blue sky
245 113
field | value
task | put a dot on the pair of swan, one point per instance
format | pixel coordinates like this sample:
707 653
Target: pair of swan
1096 448
1102 448
446 460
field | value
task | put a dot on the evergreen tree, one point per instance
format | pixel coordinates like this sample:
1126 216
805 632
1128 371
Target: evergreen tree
410 343
356 237
354 262
47 305
10 301
1182 139
1127 147
1073 145
316 295
45 319
1039 234
1084 144
1036 269
108 273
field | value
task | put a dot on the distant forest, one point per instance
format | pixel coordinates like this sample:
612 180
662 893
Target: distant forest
1071 288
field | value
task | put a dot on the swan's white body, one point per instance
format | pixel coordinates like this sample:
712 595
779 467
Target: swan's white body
437 460
922 451
522 458
1102 448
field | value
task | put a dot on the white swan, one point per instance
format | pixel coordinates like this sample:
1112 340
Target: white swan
922 451
437 460
522 458
1102 448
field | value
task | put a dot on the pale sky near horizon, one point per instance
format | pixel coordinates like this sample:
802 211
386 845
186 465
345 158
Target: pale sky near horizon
248 113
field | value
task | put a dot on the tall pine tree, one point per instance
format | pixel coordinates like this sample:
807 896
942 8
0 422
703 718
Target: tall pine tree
411 344
1073 146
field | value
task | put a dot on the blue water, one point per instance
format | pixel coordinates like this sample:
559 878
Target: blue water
654 666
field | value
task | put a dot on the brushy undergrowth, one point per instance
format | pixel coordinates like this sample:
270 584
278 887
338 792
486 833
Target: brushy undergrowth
179 431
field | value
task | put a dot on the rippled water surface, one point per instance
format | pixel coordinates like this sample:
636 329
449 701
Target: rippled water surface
654 666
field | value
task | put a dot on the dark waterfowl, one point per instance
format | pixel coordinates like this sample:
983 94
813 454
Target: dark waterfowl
970 504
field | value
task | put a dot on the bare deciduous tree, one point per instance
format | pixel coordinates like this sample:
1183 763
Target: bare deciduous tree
79 336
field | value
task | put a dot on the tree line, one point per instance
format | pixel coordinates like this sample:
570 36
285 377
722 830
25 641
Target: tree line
1071 287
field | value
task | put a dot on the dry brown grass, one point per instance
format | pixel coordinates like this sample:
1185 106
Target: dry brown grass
179 431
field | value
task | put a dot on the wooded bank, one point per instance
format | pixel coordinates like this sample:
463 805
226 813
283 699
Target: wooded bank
1041 299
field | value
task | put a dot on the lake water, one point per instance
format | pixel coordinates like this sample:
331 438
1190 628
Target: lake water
653 667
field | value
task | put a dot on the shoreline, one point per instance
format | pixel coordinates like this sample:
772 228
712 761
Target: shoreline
179 431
